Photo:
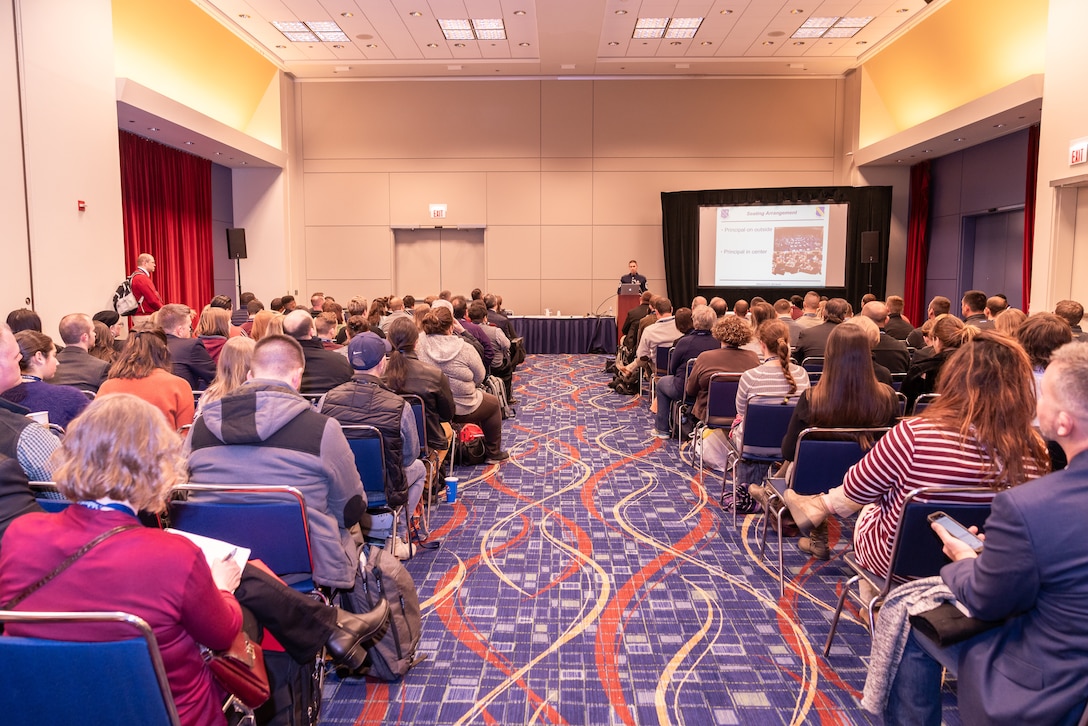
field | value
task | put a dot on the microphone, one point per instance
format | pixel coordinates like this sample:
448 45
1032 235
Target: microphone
597 312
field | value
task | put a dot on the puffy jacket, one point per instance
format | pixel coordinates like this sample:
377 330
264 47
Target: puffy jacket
364 400
264 433
432 385
460 363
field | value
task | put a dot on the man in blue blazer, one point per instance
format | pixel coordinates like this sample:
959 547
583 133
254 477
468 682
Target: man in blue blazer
1033 575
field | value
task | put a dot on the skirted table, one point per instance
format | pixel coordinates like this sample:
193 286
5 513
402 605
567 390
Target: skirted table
566 334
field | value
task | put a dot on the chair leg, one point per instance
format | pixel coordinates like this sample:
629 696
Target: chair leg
838 612
781 555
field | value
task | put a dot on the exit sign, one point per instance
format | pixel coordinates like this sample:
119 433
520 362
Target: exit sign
438 211
1078 152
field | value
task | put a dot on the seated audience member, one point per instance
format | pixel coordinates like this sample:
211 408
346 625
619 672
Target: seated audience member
890 352
231 371
365 400
873 334
264 432
452 355
719 306
24 319
1040 335
1071 312
325 326
897 326
396 310
662 332
358 306
687 347
782 310
242 315
21 438
979 435
496 317
867 298
190 359
253 307
288 303
796 303
631 323
995 305
418 312
847 395
118 459
500 344
460 315
740 308
118 329
406 373
1033 666
213 329
939 305
39 360
336 310
731 332
75 366
946 334
378 309
812 340
325 369
1010 321
317 302
409 303
276 305
266 322
810 310
143 369
105 346
776 377
973 307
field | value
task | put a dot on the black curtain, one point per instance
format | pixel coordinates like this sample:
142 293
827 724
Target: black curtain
870 210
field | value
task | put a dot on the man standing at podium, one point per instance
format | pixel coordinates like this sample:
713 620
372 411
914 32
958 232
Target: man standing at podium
632 277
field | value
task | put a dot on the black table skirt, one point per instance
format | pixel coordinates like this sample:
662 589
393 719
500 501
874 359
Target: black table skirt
566 334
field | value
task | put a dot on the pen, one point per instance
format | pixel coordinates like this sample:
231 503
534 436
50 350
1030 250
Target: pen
230 556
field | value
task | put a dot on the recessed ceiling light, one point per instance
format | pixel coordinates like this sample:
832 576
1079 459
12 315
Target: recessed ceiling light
458 45
768 42
244 163
432 45
726 12
132 120
152 128
999 126
519 12
337 45
219 153
676 42
281 46
796 11
898 161
416 14
799 42
927 151
621 12
189 143
903 10
707 42
613 42
523 45
371 45
347 15
243 16
862 42
960 138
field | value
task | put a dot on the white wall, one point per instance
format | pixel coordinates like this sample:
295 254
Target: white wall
15 272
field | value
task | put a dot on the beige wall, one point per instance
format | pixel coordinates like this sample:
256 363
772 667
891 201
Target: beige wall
15 271
566 175
69 125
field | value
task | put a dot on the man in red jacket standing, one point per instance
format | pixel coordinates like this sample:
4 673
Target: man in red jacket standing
144 290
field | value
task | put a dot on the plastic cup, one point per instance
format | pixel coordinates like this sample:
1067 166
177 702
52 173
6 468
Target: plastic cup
451 489
547 312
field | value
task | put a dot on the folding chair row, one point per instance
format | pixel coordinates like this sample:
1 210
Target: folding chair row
765 424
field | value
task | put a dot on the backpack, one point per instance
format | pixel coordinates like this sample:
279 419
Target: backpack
296 692
495 387
124 300
470 445
382 575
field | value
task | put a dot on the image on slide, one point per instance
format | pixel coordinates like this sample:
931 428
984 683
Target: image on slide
798 250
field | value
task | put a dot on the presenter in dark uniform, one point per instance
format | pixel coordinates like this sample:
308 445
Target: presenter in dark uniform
633 277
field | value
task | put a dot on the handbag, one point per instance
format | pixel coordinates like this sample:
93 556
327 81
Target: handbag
240 670
946 624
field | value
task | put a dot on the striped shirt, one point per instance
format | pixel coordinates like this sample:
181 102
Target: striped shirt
767 380
914 454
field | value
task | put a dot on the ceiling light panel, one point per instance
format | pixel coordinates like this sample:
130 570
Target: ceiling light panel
311 31
838 32
853 22
680 33
454 24
642 23
825 22
648 33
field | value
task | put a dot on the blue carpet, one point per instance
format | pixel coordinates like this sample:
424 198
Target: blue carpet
593 579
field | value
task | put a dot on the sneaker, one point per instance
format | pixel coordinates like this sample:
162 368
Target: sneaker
401 550
498 458
662 434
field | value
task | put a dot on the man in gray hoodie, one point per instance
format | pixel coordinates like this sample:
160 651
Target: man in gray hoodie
266 433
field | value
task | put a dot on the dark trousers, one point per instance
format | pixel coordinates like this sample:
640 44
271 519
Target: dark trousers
300 623
489 418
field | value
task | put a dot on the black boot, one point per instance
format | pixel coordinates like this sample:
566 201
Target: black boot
354 633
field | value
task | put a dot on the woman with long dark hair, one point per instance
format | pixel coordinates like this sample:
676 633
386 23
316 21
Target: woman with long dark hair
144 370
37 365
946 334
406 373
978 432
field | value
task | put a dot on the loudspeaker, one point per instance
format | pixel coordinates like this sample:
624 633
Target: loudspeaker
870 246
236 244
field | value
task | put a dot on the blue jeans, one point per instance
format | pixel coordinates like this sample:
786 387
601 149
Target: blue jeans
915 696
668 390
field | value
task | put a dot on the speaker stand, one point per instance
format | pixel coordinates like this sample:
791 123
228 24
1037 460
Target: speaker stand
238 275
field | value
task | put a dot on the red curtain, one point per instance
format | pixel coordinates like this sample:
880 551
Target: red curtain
166 201
1029 208
914 293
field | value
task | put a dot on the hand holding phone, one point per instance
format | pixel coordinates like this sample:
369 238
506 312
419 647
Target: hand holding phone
957 532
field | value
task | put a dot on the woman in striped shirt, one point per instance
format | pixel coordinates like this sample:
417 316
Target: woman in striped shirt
978 432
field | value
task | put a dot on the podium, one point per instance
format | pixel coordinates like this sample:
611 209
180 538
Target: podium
624 304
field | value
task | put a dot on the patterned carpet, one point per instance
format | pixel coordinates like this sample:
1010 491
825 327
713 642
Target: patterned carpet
593 579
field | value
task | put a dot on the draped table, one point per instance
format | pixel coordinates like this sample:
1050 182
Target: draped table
566 334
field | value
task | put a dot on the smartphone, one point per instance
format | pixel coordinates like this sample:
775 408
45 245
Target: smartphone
957 530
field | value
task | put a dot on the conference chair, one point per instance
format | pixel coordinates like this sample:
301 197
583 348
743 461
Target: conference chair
917 551
765 424
369 450
897 380
52 501
682 406
923 401
317 400
902 399
814 364
196 398
89 683
824 455
721 407
419 412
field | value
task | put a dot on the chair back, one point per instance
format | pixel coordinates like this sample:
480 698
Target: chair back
317 400
765 424
814 364
89 683
721 402
917 551
366 444
661 359
824 455
269 520
419 412
923 401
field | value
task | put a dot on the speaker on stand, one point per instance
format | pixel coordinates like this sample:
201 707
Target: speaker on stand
870 253
236 250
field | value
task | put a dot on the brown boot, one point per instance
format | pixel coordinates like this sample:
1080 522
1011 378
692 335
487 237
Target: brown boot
808 512
816 543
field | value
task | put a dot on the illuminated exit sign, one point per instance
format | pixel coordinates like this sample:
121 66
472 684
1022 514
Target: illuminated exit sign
1078 152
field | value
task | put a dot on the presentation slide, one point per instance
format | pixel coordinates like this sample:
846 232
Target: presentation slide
795 245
